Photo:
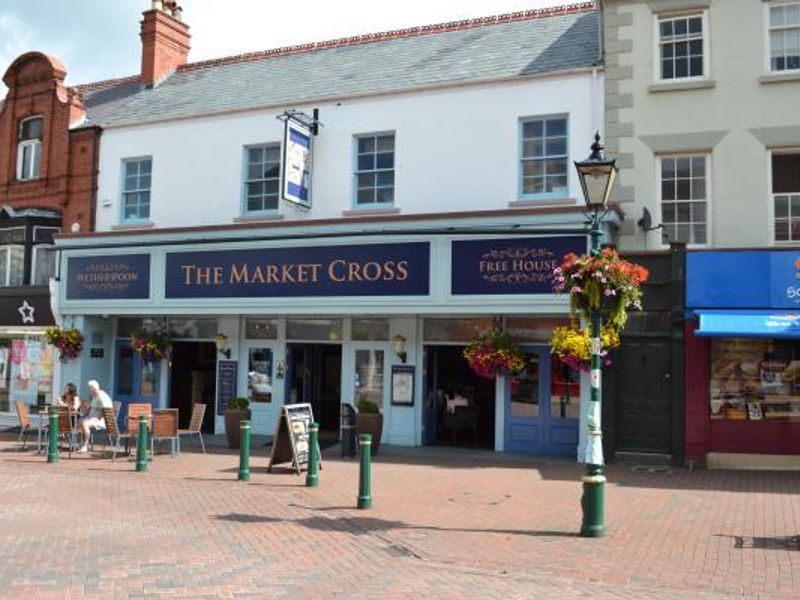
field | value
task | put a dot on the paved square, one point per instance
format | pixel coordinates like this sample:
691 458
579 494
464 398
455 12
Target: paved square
444 525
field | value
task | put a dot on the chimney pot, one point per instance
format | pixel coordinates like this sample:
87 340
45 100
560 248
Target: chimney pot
165 41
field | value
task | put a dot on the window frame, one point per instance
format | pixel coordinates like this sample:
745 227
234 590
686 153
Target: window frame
123 163
36 147
771 195
768 4
34 255
245 180
6 283
657 18
521 158
356 172
708 199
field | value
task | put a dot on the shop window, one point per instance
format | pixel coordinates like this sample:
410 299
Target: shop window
323 330
786 196
524 387
755 380
12 266
44 264
126 326
370 330
26 371
261 329
374 174
544 157
682 47
533 329
684 198
262 179
369 376
456 330
565 390
193 329
29 149
259 375
784 36
137 181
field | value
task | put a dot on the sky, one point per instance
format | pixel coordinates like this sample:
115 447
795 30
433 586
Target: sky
99 39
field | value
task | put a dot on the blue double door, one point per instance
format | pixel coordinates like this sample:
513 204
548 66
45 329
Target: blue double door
542 406
135 382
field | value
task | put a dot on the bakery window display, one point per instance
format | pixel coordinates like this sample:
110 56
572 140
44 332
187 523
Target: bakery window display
755 380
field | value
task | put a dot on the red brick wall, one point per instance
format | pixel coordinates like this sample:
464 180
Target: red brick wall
69 158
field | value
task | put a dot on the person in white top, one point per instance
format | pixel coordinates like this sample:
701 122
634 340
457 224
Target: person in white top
94 420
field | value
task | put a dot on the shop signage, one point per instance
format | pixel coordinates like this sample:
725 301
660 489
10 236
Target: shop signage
226 384
297 163
29 309
365 270
121 277
509 265
291 440
743 279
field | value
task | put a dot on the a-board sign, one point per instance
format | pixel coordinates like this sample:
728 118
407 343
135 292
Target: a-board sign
290 444
226 384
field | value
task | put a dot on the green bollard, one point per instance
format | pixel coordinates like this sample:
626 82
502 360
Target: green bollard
141 445
244 451
364 479
52 448
592 502
312 474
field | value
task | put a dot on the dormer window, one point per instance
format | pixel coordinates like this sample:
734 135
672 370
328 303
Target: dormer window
29 150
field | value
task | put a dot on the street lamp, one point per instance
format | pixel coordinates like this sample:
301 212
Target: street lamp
597 175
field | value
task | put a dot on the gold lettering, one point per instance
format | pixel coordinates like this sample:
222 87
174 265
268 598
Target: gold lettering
353 272
272 274
286 274
203 274
217 275
388 270
302 273
332 270
402 270
372 271
315 272
258 275
239 275
187 273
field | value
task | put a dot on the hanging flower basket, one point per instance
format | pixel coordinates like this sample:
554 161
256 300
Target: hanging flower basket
152 346
68 341
573 346
494 354
604 282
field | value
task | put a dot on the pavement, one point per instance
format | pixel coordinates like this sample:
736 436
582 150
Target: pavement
444 524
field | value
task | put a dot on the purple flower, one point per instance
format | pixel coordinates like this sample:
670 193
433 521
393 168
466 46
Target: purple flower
609 292
575 290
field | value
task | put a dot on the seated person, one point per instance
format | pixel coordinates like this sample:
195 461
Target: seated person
70 398
457 400
94 420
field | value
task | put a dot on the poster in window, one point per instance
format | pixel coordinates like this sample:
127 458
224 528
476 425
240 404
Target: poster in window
23 385
403 385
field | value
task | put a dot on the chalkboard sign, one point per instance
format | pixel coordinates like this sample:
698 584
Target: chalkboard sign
226 384
290 443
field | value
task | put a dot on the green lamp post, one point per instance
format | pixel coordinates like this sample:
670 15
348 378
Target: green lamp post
597 175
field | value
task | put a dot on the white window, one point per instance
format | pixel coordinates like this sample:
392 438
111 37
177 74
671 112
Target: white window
784 36
786 196
544 157
29 148
682 47
374 175
137 180
262 179
12 265
44 264
684 198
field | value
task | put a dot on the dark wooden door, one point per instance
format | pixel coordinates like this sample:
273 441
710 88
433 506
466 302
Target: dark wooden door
641 395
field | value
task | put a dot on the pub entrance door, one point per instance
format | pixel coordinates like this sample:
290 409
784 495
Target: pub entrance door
542 406
135 382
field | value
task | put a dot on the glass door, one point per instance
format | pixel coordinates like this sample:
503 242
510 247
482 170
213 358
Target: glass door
261 388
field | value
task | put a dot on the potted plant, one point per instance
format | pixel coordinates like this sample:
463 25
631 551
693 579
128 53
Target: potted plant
238 410
152 346
68 341
573 346
369 419
493 354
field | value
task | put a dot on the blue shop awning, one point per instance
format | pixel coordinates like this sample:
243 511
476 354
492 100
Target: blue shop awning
749 323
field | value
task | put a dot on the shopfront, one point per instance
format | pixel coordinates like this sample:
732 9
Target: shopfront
330 320
743 358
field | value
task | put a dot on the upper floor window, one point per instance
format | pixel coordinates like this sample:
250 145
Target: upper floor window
12 265
29 148
262 180
374 170
786 196
684 198
544 157
43 262
137 180
784 36
682 47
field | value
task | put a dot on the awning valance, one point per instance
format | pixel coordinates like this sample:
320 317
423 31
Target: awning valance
749 323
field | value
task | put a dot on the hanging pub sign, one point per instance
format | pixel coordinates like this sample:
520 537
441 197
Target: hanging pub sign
509 265
312 271
296 163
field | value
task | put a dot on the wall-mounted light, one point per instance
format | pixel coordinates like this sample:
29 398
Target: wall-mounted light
400 347
219 341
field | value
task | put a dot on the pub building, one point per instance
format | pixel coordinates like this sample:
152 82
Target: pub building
743 358
334 312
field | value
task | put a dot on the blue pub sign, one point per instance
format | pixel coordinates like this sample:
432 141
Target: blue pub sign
122 277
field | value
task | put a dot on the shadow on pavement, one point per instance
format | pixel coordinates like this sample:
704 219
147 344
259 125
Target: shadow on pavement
780 542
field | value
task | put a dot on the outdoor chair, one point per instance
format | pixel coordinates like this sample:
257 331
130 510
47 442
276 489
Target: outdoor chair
114 434
24 422
165 427
117 407
134 412
195 425
66 428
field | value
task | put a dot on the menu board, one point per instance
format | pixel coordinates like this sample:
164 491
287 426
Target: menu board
291 441
226 384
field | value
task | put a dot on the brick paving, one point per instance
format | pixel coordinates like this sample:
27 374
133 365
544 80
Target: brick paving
444 525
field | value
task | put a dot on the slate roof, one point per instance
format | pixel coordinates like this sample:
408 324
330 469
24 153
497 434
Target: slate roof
509 46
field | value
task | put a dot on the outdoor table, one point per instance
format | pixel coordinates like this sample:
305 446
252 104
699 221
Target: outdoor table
44 415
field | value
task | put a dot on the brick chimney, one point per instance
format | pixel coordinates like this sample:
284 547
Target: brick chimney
165 41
